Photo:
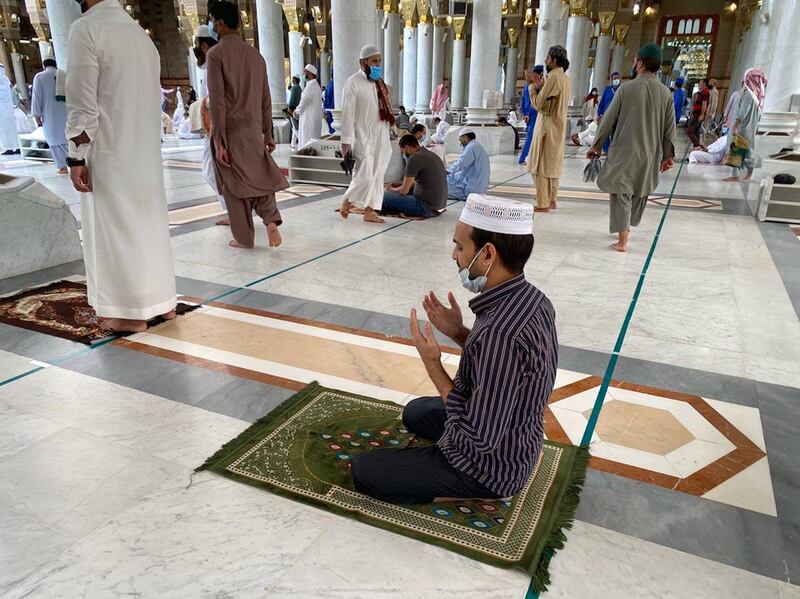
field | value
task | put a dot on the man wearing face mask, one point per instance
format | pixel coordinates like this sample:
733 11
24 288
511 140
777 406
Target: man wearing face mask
605 102
642 118
425 174
367 118
487 422
241 117
114 157
470 172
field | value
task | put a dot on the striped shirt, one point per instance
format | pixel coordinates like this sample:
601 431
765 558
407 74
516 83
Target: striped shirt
495 412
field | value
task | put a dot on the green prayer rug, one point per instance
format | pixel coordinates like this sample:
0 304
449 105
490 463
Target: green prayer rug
303 450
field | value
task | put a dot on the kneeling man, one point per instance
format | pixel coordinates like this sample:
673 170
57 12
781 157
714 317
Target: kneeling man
487 423
425 174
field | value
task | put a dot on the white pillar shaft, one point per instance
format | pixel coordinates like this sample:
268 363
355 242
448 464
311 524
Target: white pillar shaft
601 63
60 16
459 71
45 50
578 55
784 77
324 69
409 67
391 56
296 61
424 60
437 73
547 34
379 37
19 75
191 61
400 78
270 44
485 51
353 24
617 59
511 76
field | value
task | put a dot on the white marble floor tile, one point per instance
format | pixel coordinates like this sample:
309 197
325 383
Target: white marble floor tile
19 430
751 489
13 364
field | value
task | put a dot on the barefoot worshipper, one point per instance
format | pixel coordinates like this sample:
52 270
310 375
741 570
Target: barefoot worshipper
423 190
241 130
366 120
50 113
471 171
642 119
114 156
487 423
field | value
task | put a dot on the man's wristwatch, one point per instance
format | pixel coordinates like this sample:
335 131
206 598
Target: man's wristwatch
75 162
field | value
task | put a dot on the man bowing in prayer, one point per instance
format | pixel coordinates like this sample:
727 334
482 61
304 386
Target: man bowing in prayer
241 130
486 424
470 173
114 155
51 113
642 118
366 120
309 111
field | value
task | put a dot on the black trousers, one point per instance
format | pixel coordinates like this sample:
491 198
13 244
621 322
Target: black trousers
693 130
415 474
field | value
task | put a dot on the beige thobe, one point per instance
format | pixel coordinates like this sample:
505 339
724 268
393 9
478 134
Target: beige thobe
549 134
241 113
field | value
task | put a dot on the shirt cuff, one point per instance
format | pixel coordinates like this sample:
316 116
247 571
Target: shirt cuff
77 152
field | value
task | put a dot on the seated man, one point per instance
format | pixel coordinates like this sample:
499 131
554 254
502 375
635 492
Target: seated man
420 132
504 122
470 173
586 137
441 131
487 423
426 175
401 121
185 129
714 154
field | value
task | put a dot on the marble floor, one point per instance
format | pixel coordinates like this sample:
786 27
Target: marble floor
692 485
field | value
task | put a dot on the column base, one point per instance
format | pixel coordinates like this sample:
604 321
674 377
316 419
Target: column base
482 116
495 139
281 129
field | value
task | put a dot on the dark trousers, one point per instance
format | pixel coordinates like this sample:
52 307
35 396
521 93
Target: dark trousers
693 130
415 474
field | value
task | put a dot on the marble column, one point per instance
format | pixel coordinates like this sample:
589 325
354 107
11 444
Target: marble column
324 69
578 33
761 38
5 59
391 56
296 61
409 66
424 61
19 75
618 58
379 36
437 72
620 32
484 62
547 33
270 44
510 87
60 16
602 58
353 25
784 76
459 71
191 63
46 50
400 78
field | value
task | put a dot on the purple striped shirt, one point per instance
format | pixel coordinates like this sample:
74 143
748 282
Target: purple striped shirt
495 412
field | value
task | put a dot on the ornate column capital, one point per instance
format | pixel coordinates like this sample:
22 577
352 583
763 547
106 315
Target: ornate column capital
408 9
424 11
513 37
606 20
578 8
391 6
620 33
292 15
459 24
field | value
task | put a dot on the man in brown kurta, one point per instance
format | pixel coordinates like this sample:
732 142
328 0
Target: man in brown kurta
241 116
549 135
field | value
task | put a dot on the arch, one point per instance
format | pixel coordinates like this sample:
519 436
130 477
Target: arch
668 28
682 27
709 25
696 26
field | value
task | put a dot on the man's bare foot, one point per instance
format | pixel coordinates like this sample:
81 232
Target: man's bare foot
370 216
123 325
169 315
224 222
619 247
537 209
274 238
62 171
235 244
553 205
345 208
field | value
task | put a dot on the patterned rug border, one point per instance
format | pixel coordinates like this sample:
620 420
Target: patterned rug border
563 494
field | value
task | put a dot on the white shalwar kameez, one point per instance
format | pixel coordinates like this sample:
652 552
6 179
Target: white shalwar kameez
208 157
309 112
8 126
369 137
177 116
113 94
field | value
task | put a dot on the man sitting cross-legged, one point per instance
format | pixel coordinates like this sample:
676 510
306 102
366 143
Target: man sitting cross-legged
487 423
425 173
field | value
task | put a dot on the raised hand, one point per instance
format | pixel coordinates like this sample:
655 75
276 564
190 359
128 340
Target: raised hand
426 343
448 321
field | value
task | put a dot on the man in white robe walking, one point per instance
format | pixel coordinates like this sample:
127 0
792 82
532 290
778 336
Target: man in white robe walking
113 127
9 142
51 113
309 111
366 120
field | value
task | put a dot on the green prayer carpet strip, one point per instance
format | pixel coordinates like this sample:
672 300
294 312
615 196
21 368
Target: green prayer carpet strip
304 448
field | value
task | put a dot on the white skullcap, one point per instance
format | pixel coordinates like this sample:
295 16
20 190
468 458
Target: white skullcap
202 31
311 69
497 215
465 131
369 50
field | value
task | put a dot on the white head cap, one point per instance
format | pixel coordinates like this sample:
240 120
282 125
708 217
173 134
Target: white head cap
202 31
498 215
311 69
465 131
368 50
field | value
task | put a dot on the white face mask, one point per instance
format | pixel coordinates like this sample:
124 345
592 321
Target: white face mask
478 284
615 82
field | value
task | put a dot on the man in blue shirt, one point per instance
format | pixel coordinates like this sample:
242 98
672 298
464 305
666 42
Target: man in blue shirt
470 173
327 104
679 98
528 112
605 102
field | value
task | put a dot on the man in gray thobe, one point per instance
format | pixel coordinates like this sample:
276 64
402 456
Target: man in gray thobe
51 113
642 119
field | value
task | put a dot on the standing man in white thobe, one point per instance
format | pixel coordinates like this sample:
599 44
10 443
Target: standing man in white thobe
9 142
366 120
51 113
113 127
309 111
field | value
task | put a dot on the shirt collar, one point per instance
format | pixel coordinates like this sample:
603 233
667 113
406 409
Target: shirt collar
497 294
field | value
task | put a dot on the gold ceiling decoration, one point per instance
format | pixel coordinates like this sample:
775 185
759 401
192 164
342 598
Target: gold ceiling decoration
390 6
292 15
530 17
606 20
513 36
620 33
321 41
424 11
459 24
578 8
316 11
